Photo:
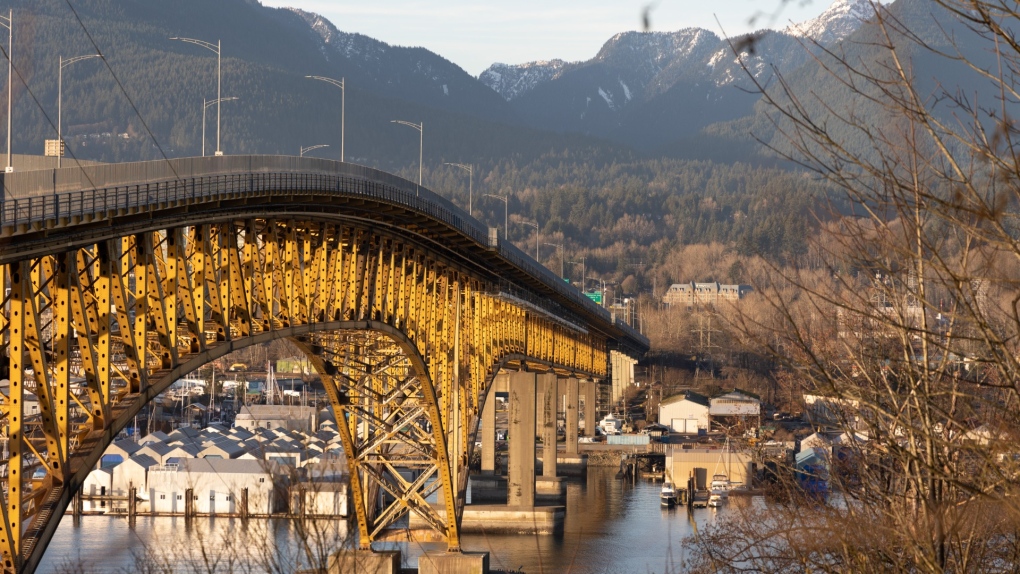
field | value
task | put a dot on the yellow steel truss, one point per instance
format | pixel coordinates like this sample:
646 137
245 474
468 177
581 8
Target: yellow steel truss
406 341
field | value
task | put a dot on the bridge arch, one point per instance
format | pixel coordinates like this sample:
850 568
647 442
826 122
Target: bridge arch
148 279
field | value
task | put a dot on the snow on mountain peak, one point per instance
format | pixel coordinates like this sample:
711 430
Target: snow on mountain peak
838 21
512 80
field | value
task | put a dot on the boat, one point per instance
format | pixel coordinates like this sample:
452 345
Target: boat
716 500
667 496
610 425
700 498
720 485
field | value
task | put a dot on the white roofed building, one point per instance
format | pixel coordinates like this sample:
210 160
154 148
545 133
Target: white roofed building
217 487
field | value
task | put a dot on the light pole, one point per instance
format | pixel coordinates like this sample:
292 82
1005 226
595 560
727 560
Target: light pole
205 105
535 225
471 178
310 148
8 23
219 54
421 140
343 104
559 246
506 210
60 98
582 269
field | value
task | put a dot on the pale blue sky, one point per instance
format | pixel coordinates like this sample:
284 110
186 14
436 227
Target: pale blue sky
474 33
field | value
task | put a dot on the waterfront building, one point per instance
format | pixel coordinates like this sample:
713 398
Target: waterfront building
319 498
737 465
158 451
118 452
132 473
222 449
154 437
217 487
687 412
99 482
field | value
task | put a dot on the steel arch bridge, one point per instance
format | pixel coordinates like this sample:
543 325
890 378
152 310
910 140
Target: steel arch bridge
132 275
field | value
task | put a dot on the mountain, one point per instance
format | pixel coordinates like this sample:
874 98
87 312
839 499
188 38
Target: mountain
840 19
510 81
266 54
415 74
652 89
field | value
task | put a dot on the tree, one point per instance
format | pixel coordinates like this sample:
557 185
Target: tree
913 329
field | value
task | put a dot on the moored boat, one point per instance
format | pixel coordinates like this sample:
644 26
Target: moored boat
667 496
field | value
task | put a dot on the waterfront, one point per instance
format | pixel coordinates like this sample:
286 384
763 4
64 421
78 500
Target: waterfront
611 527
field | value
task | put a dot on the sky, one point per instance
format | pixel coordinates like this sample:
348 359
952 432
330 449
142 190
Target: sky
476 33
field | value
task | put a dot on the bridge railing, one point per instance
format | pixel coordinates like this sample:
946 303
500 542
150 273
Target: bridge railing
35 196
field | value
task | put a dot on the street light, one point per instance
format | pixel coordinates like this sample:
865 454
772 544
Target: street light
219 53
8 23
535 225
582 269
506 210
471 178
559 246
310 148
343 104
421 140
60 98
205 105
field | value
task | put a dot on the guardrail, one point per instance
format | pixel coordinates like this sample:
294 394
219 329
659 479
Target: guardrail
48 195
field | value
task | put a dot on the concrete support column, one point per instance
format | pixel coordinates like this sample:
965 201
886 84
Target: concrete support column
489 433
589 408
521 473
571 415
547 409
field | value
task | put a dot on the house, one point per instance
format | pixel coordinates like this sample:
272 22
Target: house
158 436
118 452
99 482
812 469
832 411
815 440
132 473
217 487
158 451
319 499
240 433
736 403
285 417
687 412
222 449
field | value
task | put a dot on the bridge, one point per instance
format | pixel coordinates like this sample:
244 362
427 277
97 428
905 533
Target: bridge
133 275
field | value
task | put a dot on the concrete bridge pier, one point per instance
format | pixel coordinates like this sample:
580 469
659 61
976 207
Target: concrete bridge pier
549 485
588 389
521 420
570 462
490 485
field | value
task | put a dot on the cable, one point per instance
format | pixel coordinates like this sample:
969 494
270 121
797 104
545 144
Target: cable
43 110
123 90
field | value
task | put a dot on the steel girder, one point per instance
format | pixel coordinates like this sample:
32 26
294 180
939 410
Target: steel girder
406 341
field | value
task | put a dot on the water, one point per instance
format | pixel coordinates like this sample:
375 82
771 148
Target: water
611 526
